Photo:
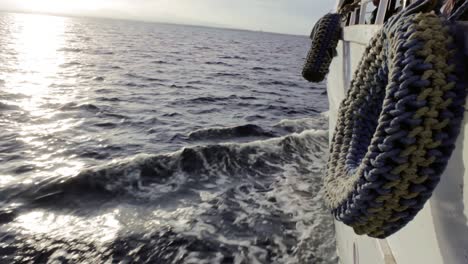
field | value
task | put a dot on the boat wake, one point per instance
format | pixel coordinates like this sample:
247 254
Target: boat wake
237 202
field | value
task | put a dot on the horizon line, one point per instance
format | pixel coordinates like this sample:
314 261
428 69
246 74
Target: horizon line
147 21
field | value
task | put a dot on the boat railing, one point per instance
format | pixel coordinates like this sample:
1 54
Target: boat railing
366 13
382 11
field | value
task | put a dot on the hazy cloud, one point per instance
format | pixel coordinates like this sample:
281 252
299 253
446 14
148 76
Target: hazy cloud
286 16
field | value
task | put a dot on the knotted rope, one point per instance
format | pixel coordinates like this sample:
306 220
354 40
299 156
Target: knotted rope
397 126
348 8
325 36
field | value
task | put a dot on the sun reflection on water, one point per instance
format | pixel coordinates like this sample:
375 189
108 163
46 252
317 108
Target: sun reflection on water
31 49
33 42
66 226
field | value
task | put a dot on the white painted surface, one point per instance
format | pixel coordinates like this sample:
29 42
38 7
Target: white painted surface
439 234
383 4
350 247
362 15
360 34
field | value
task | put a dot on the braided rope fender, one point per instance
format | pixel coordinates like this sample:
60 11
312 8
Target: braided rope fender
325 36
397 127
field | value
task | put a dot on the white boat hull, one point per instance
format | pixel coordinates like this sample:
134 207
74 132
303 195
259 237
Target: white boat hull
439 234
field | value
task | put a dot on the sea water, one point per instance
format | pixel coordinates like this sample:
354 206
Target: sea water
131 142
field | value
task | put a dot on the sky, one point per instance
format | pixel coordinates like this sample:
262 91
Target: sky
281 16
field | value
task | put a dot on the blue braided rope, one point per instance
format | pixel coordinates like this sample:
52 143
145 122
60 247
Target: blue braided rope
330 41
325 36
397 126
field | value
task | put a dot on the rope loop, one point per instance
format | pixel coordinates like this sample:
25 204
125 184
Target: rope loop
397 126
325 36
348 8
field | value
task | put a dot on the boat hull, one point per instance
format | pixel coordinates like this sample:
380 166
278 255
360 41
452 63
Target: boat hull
439 233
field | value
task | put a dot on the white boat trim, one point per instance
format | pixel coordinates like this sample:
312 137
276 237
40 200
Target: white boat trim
386 252
383 4
362 15
439 234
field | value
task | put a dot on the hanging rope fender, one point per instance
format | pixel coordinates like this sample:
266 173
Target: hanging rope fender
396 128
324 36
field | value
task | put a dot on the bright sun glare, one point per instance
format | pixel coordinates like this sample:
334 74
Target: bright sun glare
34 42
59 6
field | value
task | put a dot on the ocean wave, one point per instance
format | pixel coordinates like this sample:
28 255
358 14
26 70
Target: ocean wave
161 62
4 106
133 84
248 97
266 192
109 99
207 99
172 114
150 176
251 118
184 87
73 50
106 125
266 69
204 111
226 74
280 83
266 92
236 57
292 110
299 125
145 78
217 63
145 122
75 106
203 47
70 64
198 82
243 190
222 133
101 52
